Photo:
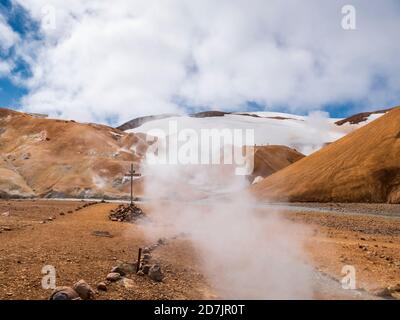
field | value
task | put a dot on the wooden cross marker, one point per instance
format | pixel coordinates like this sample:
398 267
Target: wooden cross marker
132 174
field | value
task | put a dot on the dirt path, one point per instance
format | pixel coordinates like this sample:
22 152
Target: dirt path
67 243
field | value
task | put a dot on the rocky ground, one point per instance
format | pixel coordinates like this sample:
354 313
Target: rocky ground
70 244
81 242
369 243
382 209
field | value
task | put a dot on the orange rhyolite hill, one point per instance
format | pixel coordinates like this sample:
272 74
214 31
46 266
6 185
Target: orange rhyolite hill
363 166
58 158
272 158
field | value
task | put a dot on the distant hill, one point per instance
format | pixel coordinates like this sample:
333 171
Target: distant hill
361 117
363 166
135 123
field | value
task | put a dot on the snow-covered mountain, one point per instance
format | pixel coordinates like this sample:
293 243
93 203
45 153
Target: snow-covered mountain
304 133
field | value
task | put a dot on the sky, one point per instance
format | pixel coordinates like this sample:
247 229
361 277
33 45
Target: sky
110 61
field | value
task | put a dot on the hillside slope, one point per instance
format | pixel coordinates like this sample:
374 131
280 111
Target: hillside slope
270 159
363 166
57 158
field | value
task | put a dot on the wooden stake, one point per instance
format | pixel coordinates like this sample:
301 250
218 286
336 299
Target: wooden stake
132 173
138 260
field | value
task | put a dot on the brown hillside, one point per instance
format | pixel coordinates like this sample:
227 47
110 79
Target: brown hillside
270 159
57 158
364 166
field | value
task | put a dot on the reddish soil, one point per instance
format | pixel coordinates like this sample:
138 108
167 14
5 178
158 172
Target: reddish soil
68 244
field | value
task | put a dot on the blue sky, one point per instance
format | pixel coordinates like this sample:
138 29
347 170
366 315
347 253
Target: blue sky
20 22
10 94
232 63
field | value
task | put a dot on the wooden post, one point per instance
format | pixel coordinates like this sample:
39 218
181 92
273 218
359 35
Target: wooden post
138 260
132 173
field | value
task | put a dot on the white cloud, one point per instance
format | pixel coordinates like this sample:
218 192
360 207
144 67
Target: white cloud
127 58
5 68
8 38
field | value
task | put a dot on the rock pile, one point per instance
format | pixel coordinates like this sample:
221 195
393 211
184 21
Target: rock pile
127 213
80 291
124 269
152 270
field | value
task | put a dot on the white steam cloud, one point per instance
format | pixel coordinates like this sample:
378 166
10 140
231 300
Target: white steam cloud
245 254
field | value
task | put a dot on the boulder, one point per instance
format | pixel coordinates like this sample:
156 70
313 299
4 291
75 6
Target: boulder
64 293
155 273
113 276
146 269
84 290
101 286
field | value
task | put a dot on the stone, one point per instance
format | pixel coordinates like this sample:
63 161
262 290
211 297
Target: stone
146 257
146 269
125 268
146 250
389 291
155 273
128 283
104 234
396 295
140 273
395 288
101 286
113 276
62 213
117 269
84 290
64 293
